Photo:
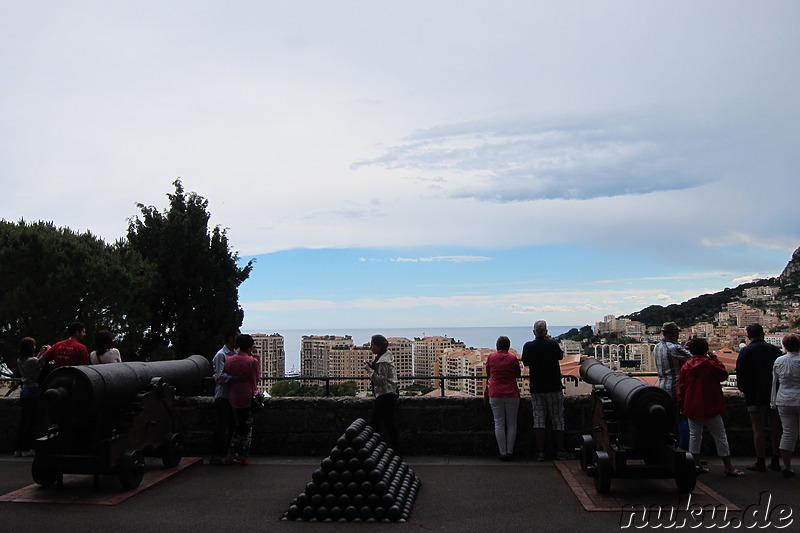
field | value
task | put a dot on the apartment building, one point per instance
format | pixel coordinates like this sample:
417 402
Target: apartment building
427 352
315 354
466 362
402 351
270 349
348 362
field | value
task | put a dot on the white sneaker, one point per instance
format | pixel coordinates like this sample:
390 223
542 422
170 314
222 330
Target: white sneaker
29 453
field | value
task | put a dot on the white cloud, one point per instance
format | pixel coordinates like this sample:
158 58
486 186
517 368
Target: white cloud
746 279
443 258
288 305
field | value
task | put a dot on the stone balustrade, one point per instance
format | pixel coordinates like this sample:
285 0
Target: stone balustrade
427 425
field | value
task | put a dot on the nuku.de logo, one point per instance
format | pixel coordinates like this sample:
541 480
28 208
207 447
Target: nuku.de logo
755 516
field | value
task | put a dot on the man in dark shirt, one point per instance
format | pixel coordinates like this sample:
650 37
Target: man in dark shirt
754 379
541 356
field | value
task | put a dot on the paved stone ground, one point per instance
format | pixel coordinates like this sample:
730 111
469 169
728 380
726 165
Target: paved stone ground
458 494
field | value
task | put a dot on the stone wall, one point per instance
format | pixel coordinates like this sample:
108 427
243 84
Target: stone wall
428 426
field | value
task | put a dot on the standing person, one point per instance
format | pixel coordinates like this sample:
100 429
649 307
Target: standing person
244 369
29 396
700 394
786 397
502 394
69 352
542 356
104 352
383 375
670 357
754 379
222 406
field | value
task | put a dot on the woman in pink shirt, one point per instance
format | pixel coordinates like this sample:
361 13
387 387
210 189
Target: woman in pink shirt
245 370
502 369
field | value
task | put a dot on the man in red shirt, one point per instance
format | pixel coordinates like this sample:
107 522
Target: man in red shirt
69 352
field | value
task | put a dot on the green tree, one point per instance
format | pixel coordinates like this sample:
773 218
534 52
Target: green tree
196 292
285 387
348 388
52 276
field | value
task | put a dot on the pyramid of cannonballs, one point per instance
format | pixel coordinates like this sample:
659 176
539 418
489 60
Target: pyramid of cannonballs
361 480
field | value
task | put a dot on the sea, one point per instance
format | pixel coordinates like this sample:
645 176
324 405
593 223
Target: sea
472 337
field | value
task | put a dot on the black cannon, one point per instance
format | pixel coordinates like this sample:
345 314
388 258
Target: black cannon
107 418
633 432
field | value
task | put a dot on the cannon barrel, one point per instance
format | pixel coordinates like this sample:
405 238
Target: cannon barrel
73 390
641 403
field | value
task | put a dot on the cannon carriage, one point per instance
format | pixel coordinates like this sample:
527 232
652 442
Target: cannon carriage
633 432
107 418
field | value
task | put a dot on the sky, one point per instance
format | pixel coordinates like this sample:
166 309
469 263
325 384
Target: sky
421 163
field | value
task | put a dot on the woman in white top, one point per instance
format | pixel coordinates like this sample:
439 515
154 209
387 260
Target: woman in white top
103 352
786 397
383 375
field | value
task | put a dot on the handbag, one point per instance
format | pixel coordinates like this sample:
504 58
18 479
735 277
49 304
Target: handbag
258 403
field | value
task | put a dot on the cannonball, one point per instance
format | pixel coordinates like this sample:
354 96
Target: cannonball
308 512
351 512
293 513
394 513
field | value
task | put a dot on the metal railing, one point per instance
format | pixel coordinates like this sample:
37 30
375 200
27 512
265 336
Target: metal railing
442 380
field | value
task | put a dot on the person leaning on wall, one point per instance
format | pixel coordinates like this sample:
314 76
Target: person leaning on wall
383 375
786 398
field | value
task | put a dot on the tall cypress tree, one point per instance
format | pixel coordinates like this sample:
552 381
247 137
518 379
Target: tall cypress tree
196 292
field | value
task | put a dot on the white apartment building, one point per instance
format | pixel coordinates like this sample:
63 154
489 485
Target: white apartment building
464 363
761 293
571 348
427 351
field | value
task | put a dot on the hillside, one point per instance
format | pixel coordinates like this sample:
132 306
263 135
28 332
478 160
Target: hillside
704 307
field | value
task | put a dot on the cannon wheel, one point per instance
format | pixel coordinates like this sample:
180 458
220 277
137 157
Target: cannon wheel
603 472
43 476
172 450
587 451
685 473
131 469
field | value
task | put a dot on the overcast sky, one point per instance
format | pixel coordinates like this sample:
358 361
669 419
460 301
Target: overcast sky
421 163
